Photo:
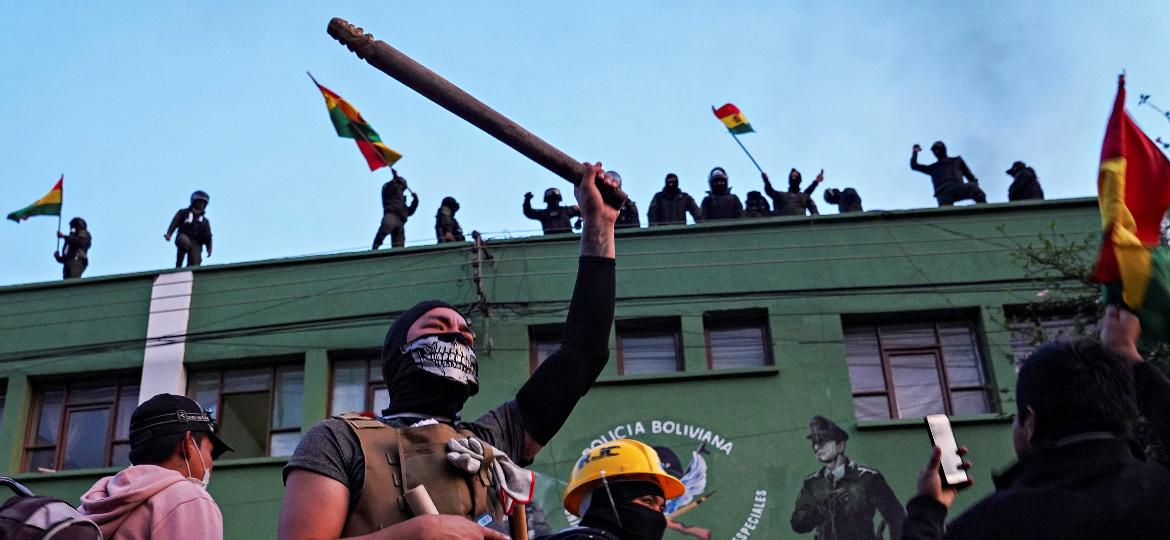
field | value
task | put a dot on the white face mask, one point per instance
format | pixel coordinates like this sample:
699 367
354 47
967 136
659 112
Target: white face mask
206 471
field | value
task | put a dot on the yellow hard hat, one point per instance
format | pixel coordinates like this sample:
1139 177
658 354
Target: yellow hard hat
621 460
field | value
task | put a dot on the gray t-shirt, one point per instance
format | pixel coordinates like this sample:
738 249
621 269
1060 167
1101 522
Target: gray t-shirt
331 449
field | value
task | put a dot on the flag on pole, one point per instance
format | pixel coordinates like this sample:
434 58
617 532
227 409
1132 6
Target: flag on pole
349 124
735 121
1133 191
49 205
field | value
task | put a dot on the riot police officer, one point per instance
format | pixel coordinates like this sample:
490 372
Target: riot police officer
395 211
847 200
554 218
947 174
720 203
74 256
671 205
447 228
194 231
755 205
793 202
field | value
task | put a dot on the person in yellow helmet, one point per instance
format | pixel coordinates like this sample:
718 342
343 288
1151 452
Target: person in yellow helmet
619 490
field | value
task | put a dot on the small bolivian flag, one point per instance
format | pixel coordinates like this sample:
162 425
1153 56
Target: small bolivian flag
349 124
734 120
1133 192
49 205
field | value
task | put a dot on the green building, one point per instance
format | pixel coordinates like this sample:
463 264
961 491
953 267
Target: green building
729 337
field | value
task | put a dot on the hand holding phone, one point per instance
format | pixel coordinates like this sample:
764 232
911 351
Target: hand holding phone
951 469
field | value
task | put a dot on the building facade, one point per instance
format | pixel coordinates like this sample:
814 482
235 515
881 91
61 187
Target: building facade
729 338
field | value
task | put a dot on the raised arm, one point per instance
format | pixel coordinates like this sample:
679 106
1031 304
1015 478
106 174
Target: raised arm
528 211
1120 330
547 399
768 187
914 161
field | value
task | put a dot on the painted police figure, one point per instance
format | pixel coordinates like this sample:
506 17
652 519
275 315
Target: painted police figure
839 500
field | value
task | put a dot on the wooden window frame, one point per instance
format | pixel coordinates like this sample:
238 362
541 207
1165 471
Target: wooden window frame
372 358
891 394
59 447
534 333
272 369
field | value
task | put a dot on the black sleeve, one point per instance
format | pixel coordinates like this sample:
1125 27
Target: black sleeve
207 227
331 449
1153 397
924 519
175 221
503 428
549 396
530 213
914 165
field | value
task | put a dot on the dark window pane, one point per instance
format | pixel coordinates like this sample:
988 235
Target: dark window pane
349 386
916 384
871 408
899 336
737 347
204 389
49 418
126 405
375 370
40 460
121 455
970 402
283 444
649 354
247 380
3 397
381 400
244 423
864 360
286 403
544 349
964 367
81 394
86 435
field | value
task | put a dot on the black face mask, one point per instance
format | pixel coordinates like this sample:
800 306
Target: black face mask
631 521
671 187
413 389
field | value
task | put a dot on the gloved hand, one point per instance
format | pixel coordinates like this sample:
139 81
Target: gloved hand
528 196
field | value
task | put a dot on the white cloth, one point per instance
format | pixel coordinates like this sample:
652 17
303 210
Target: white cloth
513 484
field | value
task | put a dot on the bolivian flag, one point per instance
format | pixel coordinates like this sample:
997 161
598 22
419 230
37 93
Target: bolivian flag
734 120
1133 190
49 205
349 124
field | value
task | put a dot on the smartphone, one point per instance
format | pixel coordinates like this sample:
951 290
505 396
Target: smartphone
943 437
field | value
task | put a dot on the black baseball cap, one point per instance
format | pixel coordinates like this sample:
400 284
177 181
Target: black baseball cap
168 414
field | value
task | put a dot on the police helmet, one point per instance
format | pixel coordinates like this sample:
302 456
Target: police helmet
78 223
716 173
450 202
552 192
200 196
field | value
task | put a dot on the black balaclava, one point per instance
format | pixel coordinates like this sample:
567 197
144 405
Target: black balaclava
631 521
939 149
794 179
411 389
671 185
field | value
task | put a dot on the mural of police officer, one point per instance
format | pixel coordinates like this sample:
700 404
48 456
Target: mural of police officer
839 500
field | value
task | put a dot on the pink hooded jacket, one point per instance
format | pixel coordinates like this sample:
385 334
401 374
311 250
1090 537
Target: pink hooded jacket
146 502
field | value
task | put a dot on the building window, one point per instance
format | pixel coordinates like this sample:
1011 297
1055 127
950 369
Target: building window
652 345
1029 330
258 409
80 425
737 339
912 369
358 385
3 397
543 340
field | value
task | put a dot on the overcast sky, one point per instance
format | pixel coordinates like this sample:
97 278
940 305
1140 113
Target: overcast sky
140 104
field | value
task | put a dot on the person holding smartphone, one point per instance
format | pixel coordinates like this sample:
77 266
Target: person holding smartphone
1080 472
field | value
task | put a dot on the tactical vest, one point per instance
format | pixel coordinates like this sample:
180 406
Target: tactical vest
398 460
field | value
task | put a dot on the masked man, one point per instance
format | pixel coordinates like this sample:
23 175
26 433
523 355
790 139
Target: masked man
447 228
839 501
947 174
794 202
554 219
74 257
756 205
847 200
720 202
164 493
350 474
1025 185
671 205
395 212
619 490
